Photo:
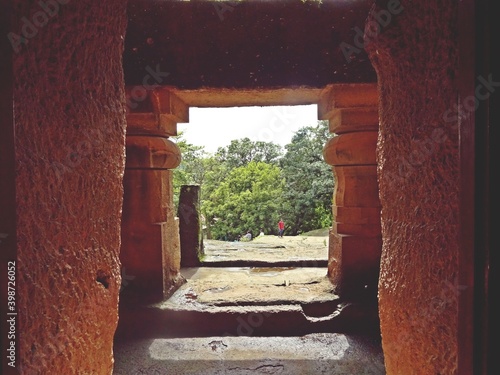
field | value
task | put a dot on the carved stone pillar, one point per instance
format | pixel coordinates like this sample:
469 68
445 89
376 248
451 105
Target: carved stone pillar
150 250
355 238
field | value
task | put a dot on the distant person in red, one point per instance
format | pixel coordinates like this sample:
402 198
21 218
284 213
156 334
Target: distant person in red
281 228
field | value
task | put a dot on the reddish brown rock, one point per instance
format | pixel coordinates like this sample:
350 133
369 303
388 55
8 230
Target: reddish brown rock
356 186
166 103
69 144
355 236
356 215
338 96
365 230
146 152
70 127
150 251
345 120
353 264
351 149
419 180
150 124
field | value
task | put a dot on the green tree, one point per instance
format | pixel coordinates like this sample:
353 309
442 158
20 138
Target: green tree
193 168
242 151
249 198
308 180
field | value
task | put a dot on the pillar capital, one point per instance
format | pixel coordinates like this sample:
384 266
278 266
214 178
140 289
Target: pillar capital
346 96
169 106
351 149
150 124
144 152
154 112
357 119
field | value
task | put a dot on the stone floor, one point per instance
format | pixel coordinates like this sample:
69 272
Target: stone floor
238 286
320 353
275 315
301 250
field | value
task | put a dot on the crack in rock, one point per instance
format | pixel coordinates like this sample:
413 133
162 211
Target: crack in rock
263 369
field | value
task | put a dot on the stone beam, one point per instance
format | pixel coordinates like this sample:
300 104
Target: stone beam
223 97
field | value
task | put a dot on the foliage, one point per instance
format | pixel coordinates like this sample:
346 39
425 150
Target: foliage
249 199
242 151
249 185
193 166
308 180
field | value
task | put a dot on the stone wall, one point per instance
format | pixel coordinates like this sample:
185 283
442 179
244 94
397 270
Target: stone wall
415 56
70 123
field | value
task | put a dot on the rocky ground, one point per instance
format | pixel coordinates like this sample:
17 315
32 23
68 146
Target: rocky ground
269 249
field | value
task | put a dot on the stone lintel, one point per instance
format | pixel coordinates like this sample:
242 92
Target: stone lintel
345 120
346 96
352 149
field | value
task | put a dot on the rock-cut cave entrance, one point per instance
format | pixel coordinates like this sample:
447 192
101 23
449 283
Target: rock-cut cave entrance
208 306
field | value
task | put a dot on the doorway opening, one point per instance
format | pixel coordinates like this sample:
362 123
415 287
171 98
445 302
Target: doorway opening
251 298
254 167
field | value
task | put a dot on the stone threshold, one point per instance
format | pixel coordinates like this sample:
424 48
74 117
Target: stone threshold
250 301
321 353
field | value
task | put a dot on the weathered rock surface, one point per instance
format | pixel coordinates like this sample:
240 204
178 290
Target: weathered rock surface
70 126
256 301
268 250
418 173
332 354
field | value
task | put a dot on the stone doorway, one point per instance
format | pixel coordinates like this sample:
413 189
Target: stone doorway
217 302
148 206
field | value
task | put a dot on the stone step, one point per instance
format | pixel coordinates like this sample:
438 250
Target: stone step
323 353
250 301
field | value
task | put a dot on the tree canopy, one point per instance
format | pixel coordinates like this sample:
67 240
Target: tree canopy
248 186
308 180
249 199
242 151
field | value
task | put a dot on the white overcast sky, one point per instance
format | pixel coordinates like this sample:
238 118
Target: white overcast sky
216 127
